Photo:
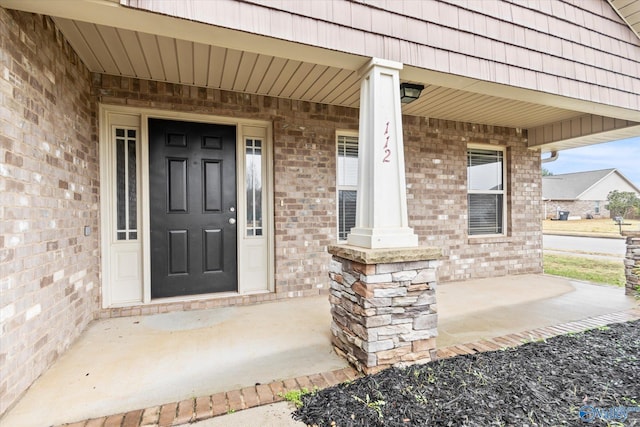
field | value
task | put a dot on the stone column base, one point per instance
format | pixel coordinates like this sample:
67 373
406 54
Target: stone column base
632 263
383 305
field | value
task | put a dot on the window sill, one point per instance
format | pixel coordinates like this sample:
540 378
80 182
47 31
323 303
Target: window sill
489 239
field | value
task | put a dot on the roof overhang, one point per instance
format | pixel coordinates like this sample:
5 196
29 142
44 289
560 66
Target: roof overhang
114 39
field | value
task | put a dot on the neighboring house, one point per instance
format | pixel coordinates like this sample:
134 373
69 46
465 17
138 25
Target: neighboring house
142 140
583 194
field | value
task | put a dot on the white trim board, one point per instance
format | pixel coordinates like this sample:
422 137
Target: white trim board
256 260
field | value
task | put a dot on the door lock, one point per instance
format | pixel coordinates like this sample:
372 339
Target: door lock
232 209
232 221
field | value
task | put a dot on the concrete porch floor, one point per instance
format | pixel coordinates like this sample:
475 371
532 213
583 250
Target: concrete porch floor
124 364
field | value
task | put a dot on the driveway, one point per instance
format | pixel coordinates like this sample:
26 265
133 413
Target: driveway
604 247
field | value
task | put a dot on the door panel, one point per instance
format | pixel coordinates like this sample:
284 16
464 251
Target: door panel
192 178
177 188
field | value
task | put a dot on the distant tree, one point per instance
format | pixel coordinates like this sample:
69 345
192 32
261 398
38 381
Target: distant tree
546 172
622 203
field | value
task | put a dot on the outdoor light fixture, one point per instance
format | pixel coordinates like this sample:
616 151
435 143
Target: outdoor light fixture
409 92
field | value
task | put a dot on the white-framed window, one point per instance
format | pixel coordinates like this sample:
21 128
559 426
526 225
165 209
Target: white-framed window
596 207
486 195
126 186
347 182
253 179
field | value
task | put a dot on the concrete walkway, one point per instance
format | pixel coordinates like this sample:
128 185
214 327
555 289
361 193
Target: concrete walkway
217 361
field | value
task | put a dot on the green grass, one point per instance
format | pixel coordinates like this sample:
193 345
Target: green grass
592 270
295 396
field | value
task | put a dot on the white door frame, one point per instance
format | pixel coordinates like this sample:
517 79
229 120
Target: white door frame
250 248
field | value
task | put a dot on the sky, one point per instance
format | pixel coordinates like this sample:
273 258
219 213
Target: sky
623 155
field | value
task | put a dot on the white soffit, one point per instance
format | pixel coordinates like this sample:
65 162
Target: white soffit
129 53
116 40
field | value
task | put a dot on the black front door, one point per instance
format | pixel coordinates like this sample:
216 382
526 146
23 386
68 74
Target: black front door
192 180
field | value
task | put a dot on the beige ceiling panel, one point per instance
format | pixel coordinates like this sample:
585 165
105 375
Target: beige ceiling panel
297 80
135 54
94 39
231 63
348 81
283 79
152 58
350 96
275 68
200 63
169 58
258 73
184 54
448 97
216 66
245 70
352 100
303 90
329 79
79 43
116 49
467 105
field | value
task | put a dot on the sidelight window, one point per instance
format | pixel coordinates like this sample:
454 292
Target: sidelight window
253 159
126 183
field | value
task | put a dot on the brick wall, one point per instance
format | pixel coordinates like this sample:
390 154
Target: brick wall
49 191
305 165
576 208
435 155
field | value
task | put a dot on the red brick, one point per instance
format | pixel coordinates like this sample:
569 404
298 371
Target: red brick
489 344
132 419
203 408
185 412
114 420
351 373
463 349
290 384
340 376
150 416
234 398
277 388
445 353
167 414
265 394
330 378
250 397
219 404
318 381
304 383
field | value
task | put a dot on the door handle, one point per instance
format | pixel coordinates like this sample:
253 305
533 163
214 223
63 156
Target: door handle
232 221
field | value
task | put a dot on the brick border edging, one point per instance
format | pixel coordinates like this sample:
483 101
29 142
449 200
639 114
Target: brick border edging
202 408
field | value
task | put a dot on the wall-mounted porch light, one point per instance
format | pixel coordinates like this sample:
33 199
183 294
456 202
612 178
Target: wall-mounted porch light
409 92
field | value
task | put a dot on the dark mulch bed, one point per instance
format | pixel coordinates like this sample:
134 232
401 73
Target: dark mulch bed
537 384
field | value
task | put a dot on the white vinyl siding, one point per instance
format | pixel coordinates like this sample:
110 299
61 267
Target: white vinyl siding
486 196
347 183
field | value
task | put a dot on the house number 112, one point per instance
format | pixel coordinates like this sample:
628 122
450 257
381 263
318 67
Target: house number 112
387 150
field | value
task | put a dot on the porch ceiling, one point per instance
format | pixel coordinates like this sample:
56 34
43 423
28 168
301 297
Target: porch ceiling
118 51
115 39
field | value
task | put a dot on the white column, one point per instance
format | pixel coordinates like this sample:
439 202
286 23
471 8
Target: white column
381 212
